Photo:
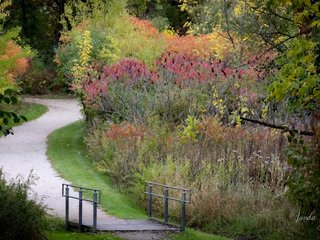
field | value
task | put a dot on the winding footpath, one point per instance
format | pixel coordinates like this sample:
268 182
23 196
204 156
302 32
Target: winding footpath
24 153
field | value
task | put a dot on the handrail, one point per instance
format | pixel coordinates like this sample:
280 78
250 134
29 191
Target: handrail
64 185
166 197
75 186
168 187
96 199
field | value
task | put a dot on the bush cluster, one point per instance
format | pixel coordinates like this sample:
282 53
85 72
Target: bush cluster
20 216
14 60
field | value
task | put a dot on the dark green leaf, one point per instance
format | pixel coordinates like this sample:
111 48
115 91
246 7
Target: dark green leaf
8 92
14 100
7 100
5 121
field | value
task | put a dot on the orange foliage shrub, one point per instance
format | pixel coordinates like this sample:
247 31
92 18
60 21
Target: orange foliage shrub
15 64
210 45
198 45
11 51
126 130
65 39
22 65
145 27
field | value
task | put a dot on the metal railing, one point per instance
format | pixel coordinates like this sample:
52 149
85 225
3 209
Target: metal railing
96 199
185 198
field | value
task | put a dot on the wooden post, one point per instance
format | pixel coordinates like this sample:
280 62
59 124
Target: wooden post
67 208
166 205
183 211
95 211
80 209
150 200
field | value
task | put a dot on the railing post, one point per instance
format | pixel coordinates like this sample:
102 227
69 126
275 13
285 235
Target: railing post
150 200
95 211
166 205
183 211
67 208
80 209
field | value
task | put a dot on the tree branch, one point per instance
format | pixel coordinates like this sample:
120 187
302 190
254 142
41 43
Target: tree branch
225 11
281 127
270 11
280 16
269 49
277 45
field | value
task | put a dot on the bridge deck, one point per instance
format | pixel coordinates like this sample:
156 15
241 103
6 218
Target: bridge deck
129 226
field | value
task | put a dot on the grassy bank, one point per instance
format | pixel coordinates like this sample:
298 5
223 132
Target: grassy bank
30 110
73 165
196 235
63 235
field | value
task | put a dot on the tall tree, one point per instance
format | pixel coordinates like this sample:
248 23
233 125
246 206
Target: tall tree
40 22
170 10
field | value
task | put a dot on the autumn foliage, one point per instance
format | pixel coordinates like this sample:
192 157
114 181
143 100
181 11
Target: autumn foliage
130 71
205 45
126 131
144 27
14 61
172 114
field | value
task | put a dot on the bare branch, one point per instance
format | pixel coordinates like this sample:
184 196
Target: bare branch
280 127
225 12
269 49
270 11
280 16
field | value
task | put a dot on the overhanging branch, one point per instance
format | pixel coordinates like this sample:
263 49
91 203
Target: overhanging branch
280 127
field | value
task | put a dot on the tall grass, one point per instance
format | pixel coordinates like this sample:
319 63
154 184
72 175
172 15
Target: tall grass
237 174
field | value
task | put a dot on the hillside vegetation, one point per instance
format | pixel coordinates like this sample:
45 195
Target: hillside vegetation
221 96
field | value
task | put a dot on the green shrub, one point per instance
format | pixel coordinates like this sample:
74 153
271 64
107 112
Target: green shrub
20 217
39 79
304 180
161 23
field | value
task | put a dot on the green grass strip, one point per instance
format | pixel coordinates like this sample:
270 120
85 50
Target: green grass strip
66 150
63 235
191 234
32 110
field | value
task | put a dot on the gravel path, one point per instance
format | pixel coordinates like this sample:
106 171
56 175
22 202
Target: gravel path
25 152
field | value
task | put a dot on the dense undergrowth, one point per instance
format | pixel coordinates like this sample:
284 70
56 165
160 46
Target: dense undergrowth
21 217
